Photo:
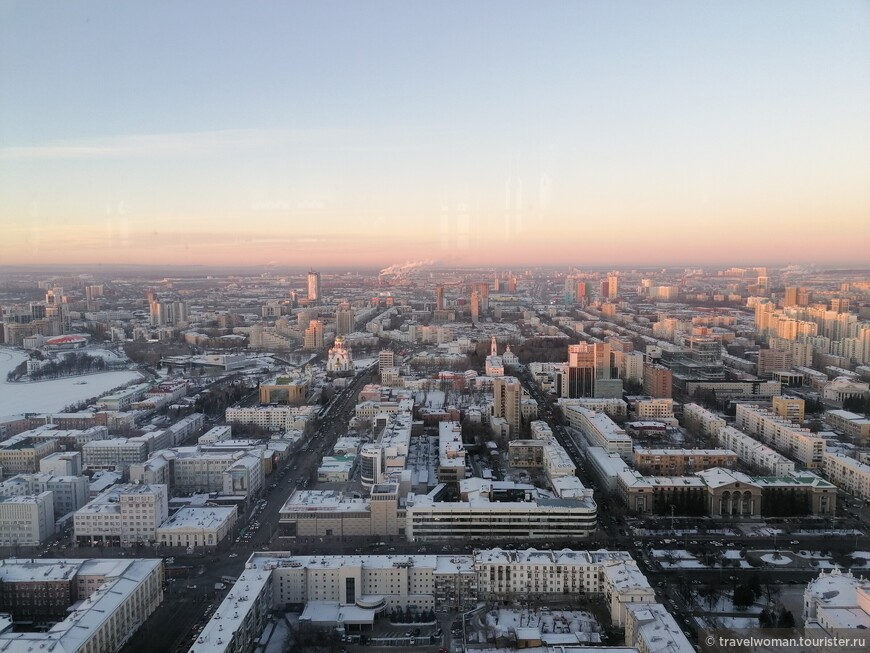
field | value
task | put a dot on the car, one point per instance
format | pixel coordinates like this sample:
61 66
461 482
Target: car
407 633
233 555
794 542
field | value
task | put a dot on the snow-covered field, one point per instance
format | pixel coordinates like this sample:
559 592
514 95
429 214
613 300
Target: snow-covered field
678 559
53 395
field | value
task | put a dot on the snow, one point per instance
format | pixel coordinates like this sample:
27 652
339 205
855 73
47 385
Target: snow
54 395
681 559
279 639
771 559
737 623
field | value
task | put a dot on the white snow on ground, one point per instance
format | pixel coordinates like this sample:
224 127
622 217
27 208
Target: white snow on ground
724 604
737 623
53 395
771 559
279 639
362 363
681 559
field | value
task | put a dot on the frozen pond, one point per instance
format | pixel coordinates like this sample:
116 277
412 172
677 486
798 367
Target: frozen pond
53 395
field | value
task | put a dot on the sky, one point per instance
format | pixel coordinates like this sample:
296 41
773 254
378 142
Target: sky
494 133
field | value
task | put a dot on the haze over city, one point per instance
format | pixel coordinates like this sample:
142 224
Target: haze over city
365 134
434 327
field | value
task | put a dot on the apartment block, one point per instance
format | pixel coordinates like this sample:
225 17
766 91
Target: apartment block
702 421
600 431
669 462
755 454
848 474
797 443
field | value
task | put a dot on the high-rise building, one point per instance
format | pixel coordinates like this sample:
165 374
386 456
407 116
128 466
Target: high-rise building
314 287
512 284
343 319
474 306
587 363
507 402
92 292
612 286
658 381
791 297
483 293
386 358
314 335
840 304
604 289
439 298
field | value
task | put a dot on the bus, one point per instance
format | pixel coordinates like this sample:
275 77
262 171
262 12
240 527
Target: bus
229 580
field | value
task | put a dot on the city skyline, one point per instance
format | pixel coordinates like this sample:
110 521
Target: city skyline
491 135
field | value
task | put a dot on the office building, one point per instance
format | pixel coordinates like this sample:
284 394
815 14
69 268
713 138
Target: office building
116 452
26 520
69 493
194 528
314 294
124 515
344 320
314 335
587 364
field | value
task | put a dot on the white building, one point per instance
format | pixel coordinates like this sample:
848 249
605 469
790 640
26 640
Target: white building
837 602
483 516
342 590
848 474
69 493
797 443
124 515
116 452
154 471
600 431
701 420
451 452
754 453
245 477
198 527
273 418
614 408
650 628
660 410
216 434
62 463
26 520
340 359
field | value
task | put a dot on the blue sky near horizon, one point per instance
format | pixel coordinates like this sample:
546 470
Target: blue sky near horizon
387 131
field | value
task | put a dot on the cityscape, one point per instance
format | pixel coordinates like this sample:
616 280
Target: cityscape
393 327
